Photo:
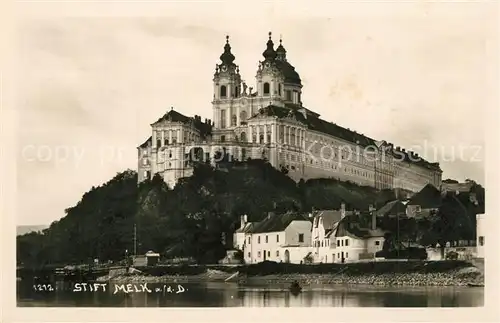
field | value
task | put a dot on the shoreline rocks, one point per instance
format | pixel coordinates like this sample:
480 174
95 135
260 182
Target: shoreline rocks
457 277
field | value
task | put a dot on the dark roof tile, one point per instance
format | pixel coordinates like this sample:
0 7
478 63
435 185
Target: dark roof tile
392 208
349 227
428 197
174 116
205 129
146 143
329 217
277 223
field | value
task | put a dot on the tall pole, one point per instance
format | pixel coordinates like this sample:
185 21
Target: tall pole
398 235
135 240
397 215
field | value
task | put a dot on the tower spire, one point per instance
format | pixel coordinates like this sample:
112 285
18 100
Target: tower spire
280 51
227 57
269 54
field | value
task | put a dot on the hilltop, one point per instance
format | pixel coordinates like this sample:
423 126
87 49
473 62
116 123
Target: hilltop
195 219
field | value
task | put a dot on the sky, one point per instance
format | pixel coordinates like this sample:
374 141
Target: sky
89 88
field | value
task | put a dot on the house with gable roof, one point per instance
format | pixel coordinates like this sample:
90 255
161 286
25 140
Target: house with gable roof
343 236
281 238
324 222
394 208
425 202
354 242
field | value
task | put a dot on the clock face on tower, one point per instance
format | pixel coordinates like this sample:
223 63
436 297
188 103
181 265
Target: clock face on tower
224 68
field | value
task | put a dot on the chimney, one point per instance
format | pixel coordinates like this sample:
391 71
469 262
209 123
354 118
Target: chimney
371 208
342 210
374 220
270 215
243 221
246 218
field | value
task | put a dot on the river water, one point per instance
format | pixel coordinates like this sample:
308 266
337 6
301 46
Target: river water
234 295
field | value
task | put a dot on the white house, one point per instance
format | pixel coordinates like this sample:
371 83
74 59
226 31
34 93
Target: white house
337 235
480 235
280 238
354 243
240 233
322 233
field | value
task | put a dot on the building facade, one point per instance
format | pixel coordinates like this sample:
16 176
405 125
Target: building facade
337 237
354 244
323 233
280 238
272 123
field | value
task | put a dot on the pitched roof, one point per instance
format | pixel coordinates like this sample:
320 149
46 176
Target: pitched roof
173 116
277 223
348 227
246 228
428 197
146 143
329 217
204 128
392 208
332 230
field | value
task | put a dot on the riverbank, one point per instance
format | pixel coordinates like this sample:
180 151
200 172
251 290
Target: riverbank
421 273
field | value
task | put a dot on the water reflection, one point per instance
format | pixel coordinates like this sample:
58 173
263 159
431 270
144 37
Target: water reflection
233 295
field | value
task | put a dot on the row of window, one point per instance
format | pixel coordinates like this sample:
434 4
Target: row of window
322 243
267 239
339 255
187 138
165 142
340 243
301 238
268 254
223 92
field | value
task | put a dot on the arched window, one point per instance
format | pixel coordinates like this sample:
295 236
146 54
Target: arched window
243 116
267 88
279 89
233 120
223 91
243 137
236 92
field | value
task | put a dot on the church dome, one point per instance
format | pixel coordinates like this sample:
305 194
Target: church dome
288 72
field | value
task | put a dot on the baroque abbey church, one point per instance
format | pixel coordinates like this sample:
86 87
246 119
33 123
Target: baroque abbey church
270 122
